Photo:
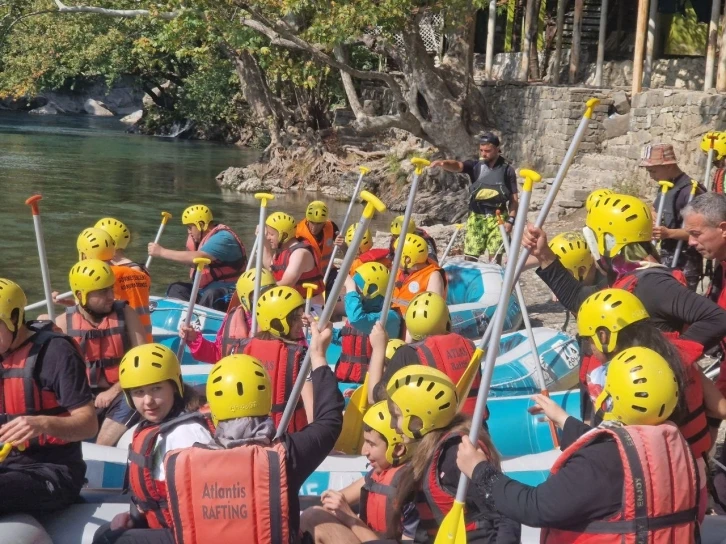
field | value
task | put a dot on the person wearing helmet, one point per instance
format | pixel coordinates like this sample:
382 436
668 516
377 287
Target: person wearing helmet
121 239
719 158
211 240
292 261
235 325
660 162
595 196
572 251
150 376
319 231
49 472
266 471
493 187
104 330
604 479
417 273
423 404
380 518
397 226
364 294
366 252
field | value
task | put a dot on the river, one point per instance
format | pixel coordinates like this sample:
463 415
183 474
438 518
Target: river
87 168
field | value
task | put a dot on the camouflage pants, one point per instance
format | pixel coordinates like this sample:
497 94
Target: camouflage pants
482 235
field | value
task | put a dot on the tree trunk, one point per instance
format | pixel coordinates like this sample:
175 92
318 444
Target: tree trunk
534 71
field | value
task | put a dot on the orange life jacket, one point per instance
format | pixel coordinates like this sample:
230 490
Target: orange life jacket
149 495
324 248
376 255
217 270
228 506
660 491
235 329
22 395
281 260
376 498
282 362
410 284
355 355
103 346
134 287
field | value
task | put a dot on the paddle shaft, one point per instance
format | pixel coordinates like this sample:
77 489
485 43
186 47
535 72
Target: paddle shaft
190 308
709 166
258 268
253 256
665 187
451 244
40 240
165 216
679 246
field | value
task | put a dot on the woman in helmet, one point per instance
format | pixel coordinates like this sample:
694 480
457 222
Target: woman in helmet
418 273
397 226
319 231
611 482
366 253
423 404
150 376
235 326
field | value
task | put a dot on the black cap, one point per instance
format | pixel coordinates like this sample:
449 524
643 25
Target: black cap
489 138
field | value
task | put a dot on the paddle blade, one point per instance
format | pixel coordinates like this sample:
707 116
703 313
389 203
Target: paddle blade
350 440
463 386
453 528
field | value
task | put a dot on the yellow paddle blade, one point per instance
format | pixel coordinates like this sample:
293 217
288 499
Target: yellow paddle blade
463 386
453 528
350 440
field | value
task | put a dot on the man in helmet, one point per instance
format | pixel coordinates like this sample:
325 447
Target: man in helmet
211 240
397 226
104 330
319 231
121 239
49 472
417 273
660 162
493 187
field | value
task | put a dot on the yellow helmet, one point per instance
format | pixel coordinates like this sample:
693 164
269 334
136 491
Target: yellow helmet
118 231
424 393
246 285
95 243
640 388
317 212
427 315
378 418
397 223
572 250
415 250
719 144
90 275
595 196
394 344
619 220
148 364
238 386
611 309
275 307
198 215
12 298
371 279
365 244
283 223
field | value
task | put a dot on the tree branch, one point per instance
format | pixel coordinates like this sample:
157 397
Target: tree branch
128 13
17 20
273 36
348 85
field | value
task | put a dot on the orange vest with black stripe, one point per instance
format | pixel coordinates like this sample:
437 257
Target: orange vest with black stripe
660 491
410 284
355 355
134 286
376 498
235 329
217 270
149 495
282 362
102 346
22 395
229 506
281 261
324 248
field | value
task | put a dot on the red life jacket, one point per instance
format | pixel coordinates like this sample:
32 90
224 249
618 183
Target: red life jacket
376 255
103 346
355 355
376 498
211 504
630 281
660 491
149 495
718 180
717 293
282 362
217 270
22 395
281 261
235 329
324 248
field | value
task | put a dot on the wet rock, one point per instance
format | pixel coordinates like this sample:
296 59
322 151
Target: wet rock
96 108
133 118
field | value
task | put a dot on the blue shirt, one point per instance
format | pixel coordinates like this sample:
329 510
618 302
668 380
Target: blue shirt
223 247
363 314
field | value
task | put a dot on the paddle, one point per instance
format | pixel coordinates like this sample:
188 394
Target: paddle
679 246
373 205
528 327
263 198
7 447
165 216
452 528
665 186
310 288
201 262
344 226
451 244
253 256
35 209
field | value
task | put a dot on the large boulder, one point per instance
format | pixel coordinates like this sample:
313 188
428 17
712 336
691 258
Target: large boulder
96 108
133 118
49 109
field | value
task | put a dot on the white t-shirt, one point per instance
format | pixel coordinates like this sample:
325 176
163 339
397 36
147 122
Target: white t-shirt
181 436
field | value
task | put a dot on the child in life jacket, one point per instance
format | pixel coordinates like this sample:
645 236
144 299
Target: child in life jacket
235 326
418 273
335 522
423 404
366 253
613 481
259 499
150 376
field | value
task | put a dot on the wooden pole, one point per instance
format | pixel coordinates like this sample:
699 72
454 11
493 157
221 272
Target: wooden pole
601 42
640 30
721 76
529 24
576 40
491 29
712 45
558 41
650 47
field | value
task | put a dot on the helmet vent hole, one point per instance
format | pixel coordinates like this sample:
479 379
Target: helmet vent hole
260 374
240 389
439 395
631 217
419 382
637 369
136 362
430 387
218 393
444 406
640 409
640 381
641 395
662 410
261 387
616 304
156 365
217 379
